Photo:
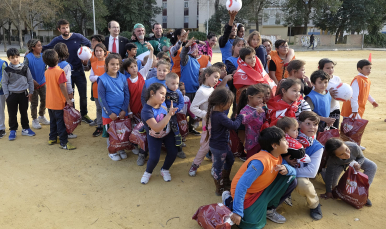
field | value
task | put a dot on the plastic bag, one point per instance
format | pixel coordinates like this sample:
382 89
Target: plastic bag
138 138
352 129
213 216
72 118
182 124
353 188
119 132
237 147
327 134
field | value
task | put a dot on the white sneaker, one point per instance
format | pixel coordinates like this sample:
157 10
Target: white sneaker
362 148
71 136
275 217
35 124
43 120
114 156
166 175
123 154
145 178
135 151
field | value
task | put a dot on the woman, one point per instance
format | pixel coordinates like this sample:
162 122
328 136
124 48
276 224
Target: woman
209 44
240 30
179 37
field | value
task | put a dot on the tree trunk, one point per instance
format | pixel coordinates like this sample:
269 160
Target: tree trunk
257 24
9 31
5 43
216 5
20 31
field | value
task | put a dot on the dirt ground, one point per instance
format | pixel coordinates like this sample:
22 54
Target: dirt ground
46 187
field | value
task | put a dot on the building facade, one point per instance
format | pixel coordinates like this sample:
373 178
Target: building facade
178 14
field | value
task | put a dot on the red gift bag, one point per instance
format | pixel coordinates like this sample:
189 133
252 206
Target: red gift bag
237 147
353 129
213 216
119 132
138 138
182 124
353 188
72 118
327 134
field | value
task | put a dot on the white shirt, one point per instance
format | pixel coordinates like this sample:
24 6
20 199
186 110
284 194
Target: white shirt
111 41
334 81
199 105
67 72
312 168
355 95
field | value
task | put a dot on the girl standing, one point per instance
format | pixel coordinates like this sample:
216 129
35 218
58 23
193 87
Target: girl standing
209 44
231 62
179 37
254 40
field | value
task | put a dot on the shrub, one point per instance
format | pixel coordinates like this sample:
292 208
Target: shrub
197 35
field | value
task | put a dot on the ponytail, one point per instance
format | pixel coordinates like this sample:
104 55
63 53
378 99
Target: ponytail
243 101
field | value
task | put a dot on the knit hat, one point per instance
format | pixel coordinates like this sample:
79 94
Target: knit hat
295 149
138 25
193 48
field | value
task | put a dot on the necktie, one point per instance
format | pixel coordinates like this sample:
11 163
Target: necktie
114 46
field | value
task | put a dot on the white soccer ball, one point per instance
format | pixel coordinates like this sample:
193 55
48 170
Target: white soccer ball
84 53
344 92
234 5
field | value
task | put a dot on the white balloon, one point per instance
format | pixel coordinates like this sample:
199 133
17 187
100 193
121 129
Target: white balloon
84 53
234 5
344 92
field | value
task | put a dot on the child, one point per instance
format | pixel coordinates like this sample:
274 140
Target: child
57 97
296 70
35 63
258 188
62 51
178 40
186 110
219 101
3 65
341 154
290 127
131 50
308 123
153 70
288 102
113 96
203 60
224 78
250 105
98 69
95 39
199 107
268 46
319 99
327 66
254 41
279 58
250 72
18 88
156 120
231 62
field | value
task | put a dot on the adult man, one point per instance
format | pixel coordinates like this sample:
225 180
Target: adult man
139 39
225 42
74 41
164 42
115 43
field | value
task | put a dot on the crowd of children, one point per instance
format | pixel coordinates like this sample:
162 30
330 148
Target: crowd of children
277 112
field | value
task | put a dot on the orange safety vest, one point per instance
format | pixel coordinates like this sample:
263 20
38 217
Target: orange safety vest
54 97
280 72
265 179
98 66
203 61
176 63
364 92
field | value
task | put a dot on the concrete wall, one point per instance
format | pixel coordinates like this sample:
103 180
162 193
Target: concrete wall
328 41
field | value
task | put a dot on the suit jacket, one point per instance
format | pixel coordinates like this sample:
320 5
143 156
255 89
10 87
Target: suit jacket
122 43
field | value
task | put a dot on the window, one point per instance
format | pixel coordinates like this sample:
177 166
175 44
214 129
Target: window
164 19
186 19
164 5
278 18
186 12
186 4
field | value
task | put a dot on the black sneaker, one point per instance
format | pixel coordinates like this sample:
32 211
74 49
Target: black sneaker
368 203
316 213
86 119
194 132
2 133
98 131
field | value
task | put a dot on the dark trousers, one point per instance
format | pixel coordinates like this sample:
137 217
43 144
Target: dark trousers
155 151
78 79
41 92
17 101
57 126
191 120
286 194
174 125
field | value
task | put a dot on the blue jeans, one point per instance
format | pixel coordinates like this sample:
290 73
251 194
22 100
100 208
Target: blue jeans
222 160
155 145
78 79
57 126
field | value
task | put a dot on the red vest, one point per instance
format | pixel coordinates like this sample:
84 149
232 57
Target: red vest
135 90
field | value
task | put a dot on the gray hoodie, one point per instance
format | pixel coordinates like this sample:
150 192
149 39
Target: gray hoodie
17 79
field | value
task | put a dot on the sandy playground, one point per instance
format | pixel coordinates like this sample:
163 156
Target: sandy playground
45 187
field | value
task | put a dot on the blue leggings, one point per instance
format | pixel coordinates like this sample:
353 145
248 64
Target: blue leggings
155 151
222 160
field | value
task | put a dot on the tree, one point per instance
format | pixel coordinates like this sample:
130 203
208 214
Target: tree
4 19
252 10
15 11
299 12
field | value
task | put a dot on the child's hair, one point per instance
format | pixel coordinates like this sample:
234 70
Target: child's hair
286 123
331 145
210 36
265 40
171 75
246 51
250 91
110 57
153 87
126 64
207 72
181 84
130 46
363 63
250 37
31 44
144 61
163 62
62 22
174 38
102 46
295 65
98 37
13 52
219 65
62 51
219 97
50 57
268 137
279 42
309 115
163 56
287 84
236 41
323 62
319 74
239 26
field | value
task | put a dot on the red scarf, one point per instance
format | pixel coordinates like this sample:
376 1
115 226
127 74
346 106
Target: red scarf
278 109
246 75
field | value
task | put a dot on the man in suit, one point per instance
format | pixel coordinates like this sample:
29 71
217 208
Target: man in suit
115 43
